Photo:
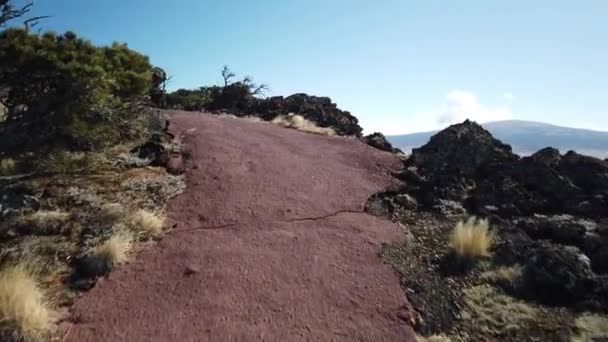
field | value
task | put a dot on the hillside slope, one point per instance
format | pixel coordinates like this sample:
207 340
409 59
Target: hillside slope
270 242
527 137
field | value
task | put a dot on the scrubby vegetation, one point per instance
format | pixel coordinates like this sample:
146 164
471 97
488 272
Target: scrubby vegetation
64 93
80 148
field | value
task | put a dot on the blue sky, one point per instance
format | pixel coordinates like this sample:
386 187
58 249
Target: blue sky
399 66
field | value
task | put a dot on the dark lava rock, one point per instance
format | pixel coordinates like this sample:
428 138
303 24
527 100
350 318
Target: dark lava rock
557 276
550 210
86 270
320 110
568 232
386 204
464 163
549 156
15 199
599 259
378 140
153 150
236 99
460 150
515 248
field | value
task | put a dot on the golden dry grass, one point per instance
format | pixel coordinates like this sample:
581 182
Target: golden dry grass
471 238
8 166
47 218
495 313
250 118
300 123
147 223
25 313
3 113
503 275
117 249
590 327
433 338
112 211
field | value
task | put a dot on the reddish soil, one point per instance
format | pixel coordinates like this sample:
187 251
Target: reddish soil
271 244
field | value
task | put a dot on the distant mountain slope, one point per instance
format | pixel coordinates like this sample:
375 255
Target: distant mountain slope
527 137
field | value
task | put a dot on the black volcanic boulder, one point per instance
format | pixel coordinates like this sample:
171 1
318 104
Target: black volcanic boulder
558 276
378 140
549 156
562 229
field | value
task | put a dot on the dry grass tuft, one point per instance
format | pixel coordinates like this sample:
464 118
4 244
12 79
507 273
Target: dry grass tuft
590 327
116 250
253 119
496 313
250 118
433 338
147 223
3 113
112 211
8 166
503 275
472 238
300 123
25 314
47 218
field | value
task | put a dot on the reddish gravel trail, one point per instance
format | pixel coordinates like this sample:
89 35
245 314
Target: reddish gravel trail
271 244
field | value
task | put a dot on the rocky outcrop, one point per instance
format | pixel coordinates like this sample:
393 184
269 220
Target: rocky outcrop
378 140
320 110
558 276
550 210
464 163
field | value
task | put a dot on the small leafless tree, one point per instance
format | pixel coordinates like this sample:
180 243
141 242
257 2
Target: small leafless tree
9 11
227 75
260 90
256 90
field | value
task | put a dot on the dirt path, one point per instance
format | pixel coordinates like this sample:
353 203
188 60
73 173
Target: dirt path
271 244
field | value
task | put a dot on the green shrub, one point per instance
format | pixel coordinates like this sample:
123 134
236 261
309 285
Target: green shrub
192 100
64 92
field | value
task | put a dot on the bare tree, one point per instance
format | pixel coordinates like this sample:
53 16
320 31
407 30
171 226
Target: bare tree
256 90
9 11
226 74
259 90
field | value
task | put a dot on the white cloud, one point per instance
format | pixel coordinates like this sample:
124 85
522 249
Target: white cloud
508 96
460 105
456 107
